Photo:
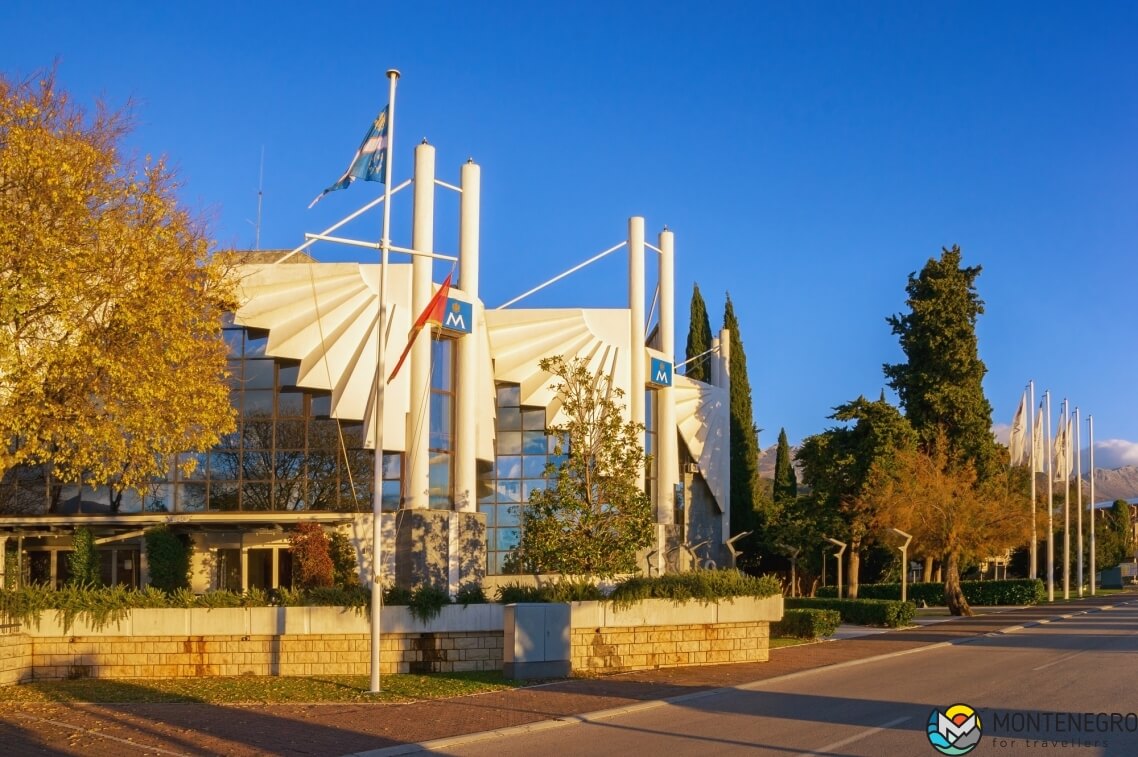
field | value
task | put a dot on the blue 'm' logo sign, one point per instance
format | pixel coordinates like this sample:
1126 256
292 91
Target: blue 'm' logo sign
459 316
660 372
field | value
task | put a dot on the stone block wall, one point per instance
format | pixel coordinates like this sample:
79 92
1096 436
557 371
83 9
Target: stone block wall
15 658
262 655
619 649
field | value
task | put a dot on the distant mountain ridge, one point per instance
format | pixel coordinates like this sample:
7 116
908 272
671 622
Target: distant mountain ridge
1110 483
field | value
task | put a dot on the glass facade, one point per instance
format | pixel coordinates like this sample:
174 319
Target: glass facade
523 449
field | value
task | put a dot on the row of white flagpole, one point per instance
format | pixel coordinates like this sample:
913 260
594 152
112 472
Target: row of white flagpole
1056 462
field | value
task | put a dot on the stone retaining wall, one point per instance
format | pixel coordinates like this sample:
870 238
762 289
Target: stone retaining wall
15 658
287 655
615 650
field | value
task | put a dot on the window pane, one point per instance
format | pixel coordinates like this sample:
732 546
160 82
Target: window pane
509 419
442 364
290 434
439 476
191 498
509 442
256 495
391 495
392 466
508 515
533 420
441 421
200 460
258 404
531 485
290 405
222 496
259 374
233 340
509 396
488 511
236 370
320 405
255 343
533 467
533 442
288 374
507 538
509 466
509 491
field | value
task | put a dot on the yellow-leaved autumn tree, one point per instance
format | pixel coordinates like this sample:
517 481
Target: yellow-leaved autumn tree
111 357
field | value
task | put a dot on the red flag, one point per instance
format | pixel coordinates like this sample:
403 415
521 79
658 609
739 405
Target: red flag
432 314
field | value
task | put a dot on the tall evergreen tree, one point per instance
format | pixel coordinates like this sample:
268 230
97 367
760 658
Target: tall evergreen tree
699 338
785 480
744 434
939 384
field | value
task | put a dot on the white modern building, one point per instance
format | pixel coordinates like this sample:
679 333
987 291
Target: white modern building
464 422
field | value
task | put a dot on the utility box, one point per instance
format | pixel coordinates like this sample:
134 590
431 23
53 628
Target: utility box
536 640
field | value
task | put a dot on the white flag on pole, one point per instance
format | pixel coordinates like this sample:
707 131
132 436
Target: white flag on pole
1019 432
1059 453
1037 441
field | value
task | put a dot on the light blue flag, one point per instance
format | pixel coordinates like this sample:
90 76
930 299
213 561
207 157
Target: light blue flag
369 161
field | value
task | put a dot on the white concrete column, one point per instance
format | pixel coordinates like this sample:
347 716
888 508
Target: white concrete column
667 444
275 580
417 463
244 569
466 351
636 327
143 565
3 562
725 382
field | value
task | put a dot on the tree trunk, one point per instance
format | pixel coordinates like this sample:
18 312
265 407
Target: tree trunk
953 593
853 566
927 571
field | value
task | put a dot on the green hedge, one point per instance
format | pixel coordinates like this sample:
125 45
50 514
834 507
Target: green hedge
806 624
1019 591
862 612
702 585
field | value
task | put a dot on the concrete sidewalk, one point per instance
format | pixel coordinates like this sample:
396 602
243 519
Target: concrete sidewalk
383 729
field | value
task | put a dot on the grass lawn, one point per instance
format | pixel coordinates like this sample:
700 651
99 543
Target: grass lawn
259 689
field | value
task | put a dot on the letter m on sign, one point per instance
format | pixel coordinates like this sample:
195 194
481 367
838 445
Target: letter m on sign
458 316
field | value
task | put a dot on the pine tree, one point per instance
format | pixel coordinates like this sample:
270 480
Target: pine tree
785 480
699 338
744 434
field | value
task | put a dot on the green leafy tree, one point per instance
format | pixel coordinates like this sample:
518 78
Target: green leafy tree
1114 537
111 357
311 556
844 467
594 515
84 560
746 490
699 339
345 567
785 479
168 555
939 384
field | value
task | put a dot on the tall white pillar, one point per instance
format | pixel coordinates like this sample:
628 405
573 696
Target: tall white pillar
667 444
725 382
417 461
466 385
716 379
4 562
636 328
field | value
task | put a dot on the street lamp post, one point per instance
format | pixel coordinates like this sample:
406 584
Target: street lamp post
904 561
841 545
792 553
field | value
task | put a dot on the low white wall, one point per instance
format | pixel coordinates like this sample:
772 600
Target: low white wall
666 612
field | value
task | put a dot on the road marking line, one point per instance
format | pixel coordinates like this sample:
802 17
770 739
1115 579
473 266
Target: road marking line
89 732
1061 659
856 737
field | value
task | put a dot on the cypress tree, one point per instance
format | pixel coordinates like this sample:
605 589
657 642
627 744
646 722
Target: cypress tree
699 338
939 384
785 480
744 433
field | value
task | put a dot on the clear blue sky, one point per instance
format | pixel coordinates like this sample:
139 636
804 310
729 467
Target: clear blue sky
807 155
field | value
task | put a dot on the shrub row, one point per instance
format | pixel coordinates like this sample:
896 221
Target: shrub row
1019 591
806 623
862 612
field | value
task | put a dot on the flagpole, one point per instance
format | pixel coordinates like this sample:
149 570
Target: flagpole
1050 507
1066 502
1091 433
1034 572
1079 496
379 386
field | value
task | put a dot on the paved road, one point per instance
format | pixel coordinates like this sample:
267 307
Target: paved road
1088 663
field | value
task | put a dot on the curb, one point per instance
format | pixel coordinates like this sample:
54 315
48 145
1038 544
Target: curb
588 717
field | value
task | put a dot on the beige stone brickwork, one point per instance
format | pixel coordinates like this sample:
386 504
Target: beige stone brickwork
15 658
618 649
285 655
